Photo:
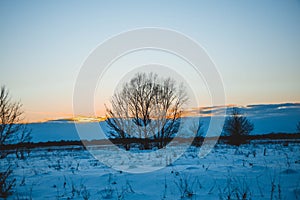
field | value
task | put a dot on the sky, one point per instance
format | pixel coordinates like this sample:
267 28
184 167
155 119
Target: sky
43 44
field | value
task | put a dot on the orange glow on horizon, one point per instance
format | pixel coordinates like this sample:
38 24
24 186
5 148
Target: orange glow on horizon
39 117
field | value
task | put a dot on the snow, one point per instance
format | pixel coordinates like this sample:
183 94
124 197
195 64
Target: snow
256 170
263 169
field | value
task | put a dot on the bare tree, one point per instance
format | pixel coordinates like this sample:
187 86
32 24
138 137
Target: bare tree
147 107
12 130
237 127
13 135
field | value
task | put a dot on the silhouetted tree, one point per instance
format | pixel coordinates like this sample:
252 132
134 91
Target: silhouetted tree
237 127
147 107
12 134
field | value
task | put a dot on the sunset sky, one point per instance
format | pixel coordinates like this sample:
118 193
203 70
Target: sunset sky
255 45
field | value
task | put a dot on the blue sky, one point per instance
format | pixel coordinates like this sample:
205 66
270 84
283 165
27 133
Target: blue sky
254 44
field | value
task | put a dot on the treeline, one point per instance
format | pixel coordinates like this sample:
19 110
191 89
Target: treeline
137 142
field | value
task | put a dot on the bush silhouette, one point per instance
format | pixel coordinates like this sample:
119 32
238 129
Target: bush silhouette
237 127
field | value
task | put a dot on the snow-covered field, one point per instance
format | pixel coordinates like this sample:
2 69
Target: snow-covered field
254 171
269 170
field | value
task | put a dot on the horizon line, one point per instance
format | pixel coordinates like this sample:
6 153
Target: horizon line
187 113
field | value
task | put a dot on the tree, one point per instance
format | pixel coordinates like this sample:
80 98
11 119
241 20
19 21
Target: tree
147 107
237 127
13 135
